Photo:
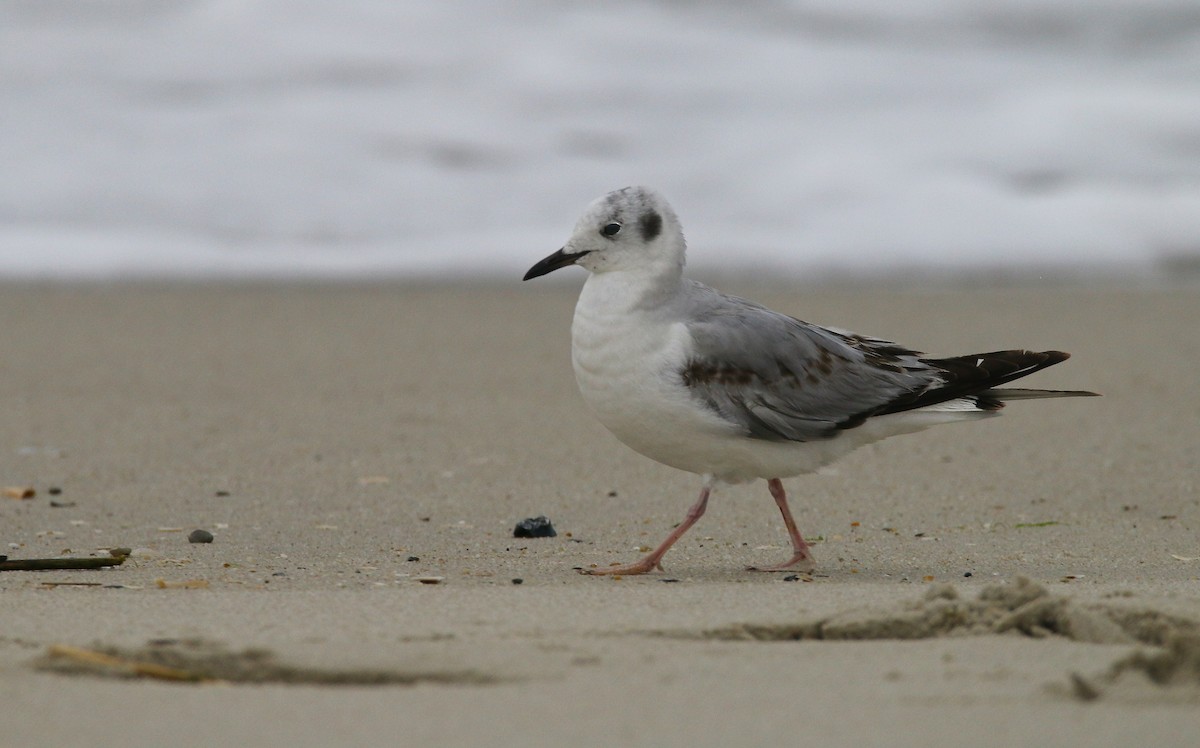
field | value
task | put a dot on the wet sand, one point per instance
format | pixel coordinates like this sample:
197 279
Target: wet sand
343 441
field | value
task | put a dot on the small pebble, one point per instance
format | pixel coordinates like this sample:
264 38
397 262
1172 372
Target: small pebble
54 490
967 574
222 493
791 578
518 580
430 580
668 580
534 527
200 536
414 558
119 552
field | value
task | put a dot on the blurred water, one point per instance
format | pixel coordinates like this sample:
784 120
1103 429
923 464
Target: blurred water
290 138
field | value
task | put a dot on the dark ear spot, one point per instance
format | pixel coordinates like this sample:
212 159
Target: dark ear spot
650 225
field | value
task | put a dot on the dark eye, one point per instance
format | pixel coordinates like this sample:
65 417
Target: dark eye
611 229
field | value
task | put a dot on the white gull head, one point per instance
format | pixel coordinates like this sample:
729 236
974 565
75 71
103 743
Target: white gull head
628 229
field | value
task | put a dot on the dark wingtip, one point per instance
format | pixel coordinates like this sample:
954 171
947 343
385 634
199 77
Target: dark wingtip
980 375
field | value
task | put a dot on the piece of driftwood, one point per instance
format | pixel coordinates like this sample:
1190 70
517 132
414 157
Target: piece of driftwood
46 564
120 665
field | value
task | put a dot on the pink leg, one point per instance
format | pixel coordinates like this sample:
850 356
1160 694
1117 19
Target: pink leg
654 560
801 559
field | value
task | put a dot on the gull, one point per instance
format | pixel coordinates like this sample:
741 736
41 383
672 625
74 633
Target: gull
732 391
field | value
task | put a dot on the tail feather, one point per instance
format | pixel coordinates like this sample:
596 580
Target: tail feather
1007 393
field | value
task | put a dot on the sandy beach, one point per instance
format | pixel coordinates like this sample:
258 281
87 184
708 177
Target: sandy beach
342 443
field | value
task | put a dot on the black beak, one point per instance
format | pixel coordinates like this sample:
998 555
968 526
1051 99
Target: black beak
559 259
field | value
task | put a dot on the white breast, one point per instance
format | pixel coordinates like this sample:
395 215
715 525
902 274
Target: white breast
627 362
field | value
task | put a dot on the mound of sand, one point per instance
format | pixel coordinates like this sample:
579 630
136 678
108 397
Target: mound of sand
1022 607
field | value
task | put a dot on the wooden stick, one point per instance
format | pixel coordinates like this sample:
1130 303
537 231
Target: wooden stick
43 564
121 664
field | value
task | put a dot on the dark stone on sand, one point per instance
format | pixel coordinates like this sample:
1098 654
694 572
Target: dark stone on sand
534 527
200 536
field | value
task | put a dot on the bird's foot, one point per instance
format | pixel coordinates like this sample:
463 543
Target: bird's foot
801 562
644 566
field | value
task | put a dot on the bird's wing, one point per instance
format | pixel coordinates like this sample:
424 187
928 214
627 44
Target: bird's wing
781 379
